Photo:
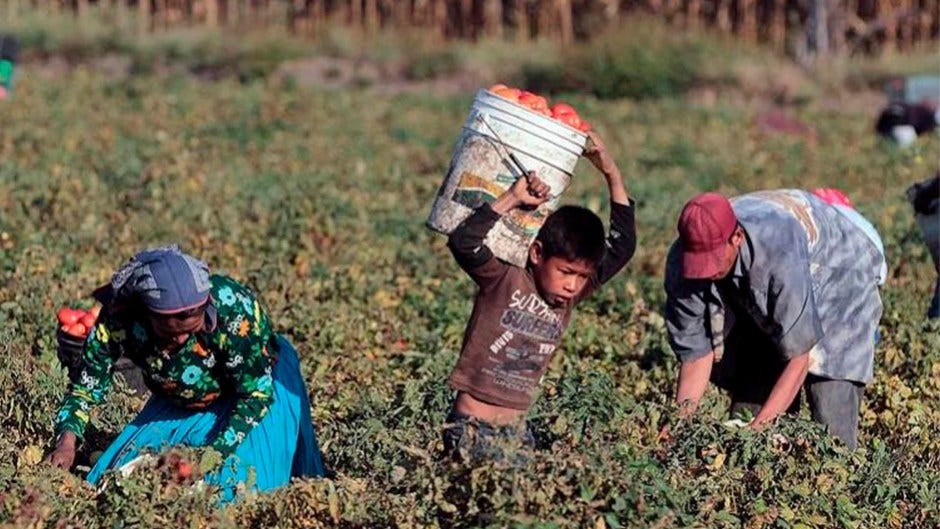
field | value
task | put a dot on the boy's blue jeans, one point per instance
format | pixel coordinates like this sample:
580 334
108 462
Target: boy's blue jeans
464 435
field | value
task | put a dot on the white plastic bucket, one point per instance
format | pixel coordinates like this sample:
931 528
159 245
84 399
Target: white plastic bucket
480 170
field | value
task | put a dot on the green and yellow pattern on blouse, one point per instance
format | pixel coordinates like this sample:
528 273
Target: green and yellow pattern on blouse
234 360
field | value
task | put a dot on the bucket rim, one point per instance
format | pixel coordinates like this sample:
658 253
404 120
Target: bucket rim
485 96
520 150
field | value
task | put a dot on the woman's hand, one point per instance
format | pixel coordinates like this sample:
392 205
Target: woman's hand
64 454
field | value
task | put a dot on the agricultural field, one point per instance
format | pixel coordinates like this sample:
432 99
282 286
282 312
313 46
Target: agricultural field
317 199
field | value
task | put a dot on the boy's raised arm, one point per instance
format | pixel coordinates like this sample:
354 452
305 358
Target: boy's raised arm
621 241
466 241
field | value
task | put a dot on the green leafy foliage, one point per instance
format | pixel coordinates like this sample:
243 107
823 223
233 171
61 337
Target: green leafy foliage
635 61
318 199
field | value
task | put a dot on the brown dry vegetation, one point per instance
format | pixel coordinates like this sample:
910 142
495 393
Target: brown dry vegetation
797 27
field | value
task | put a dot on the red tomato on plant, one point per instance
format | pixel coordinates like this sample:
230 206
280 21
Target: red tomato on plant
184 470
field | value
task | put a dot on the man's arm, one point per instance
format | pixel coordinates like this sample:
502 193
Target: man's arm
689 324
792 305
784 391
693 381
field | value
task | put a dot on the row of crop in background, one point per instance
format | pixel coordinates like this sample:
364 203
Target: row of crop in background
816 27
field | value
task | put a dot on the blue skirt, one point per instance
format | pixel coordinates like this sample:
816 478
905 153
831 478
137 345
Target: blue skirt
283 445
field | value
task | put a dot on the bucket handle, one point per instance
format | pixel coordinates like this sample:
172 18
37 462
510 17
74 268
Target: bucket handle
484 118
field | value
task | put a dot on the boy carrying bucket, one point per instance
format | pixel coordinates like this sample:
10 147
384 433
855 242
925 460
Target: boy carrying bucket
520 314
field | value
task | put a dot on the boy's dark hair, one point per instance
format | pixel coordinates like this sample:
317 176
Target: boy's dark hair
573 233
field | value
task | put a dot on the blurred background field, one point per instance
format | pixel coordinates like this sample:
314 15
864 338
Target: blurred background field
305 163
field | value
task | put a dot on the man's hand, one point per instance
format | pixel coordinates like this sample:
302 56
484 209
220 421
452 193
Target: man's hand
64 454
529 192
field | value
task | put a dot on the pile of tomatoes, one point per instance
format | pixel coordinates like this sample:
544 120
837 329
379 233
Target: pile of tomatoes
77 322
562 112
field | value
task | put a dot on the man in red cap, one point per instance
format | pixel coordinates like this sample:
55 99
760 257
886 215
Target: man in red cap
779 291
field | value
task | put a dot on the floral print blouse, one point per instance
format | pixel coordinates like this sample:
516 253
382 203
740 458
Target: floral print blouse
233 357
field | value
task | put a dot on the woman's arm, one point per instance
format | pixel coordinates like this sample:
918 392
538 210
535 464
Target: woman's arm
250 353
87 391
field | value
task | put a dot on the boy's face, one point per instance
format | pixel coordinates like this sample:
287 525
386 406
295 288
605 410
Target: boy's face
558 279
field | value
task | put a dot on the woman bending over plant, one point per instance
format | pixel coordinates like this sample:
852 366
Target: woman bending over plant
220 376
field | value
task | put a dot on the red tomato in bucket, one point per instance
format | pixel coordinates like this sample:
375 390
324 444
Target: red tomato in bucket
510 94
78 329
533 101
572 120
88 320
68 316
562 109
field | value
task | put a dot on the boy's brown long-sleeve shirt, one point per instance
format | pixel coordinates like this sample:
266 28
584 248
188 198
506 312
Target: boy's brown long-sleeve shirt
513 332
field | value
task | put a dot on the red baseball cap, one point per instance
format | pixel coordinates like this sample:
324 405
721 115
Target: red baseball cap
705 226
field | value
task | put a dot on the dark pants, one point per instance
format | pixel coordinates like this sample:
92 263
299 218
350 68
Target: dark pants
751 366
466 436
934 310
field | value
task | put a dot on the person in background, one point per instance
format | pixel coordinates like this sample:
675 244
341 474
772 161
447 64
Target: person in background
903 122
219 374
9 49
771 292
925 198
